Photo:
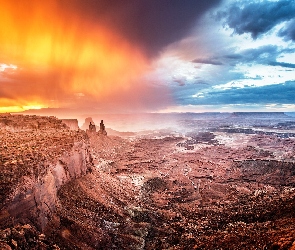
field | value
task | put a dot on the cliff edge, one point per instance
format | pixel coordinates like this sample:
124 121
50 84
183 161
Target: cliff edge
37 156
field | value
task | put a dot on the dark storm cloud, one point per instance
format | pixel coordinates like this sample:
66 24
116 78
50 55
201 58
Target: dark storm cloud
261 55
288 32
282 64
278 93
233 56
151 24
258 17
265 55
211 61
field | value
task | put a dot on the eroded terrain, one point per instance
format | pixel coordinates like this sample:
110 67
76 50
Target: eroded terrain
224 188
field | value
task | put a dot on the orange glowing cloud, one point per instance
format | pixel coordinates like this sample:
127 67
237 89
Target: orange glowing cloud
59 55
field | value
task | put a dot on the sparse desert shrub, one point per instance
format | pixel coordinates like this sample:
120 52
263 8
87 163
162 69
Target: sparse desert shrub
154 185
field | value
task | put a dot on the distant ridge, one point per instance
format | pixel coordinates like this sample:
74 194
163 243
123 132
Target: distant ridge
259 114
292 114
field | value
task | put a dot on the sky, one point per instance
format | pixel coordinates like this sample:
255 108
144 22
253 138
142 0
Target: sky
114 56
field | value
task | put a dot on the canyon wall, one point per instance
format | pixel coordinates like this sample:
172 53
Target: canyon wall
55 155
37 199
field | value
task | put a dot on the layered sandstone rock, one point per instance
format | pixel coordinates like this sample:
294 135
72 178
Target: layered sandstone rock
87 122
35 162
211 190
102 129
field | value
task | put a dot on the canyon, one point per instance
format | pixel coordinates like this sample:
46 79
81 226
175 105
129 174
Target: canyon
227 182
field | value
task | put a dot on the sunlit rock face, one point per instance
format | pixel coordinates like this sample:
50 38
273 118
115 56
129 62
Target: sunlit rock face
87 122
39 155
93 130
102 129
218 187
37 198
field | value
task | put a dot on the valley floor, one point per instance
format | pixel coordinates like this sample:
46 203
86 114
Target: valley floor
227 187
232 193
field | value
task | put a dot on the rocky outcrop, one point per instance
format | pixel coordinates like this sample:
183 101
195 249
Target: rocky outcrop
36 199
24 237
232 191
102 129
90 127
29 191
87 122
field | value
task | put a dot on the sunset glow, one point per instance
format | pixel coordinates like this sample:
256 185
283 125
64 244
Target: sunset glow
7 105
80 57
113 56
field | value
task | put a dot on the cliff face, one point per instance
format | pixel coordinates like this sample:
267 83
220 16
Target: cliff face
37 198
85 125
214 190
35 165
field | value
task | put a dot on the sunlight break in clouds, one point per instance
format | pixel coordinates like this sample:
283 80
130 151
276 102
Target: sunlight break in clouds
239 57
4 67
147 55
56 54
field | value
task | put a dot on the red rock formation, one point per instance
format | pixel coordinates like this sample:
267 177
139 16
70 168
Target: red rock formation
35 163
86 124
102 129
211 191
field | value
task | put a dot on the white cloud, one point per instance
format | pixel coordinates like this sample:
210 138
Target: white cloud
254 63
5 67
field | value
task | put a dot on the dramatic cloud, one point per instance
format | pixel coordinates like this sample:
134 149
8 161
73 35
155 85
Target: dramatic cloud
59 54
151 24
282 64
265 55
257 17
288 32
212 61
145 55
87 52
277 93
262 54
